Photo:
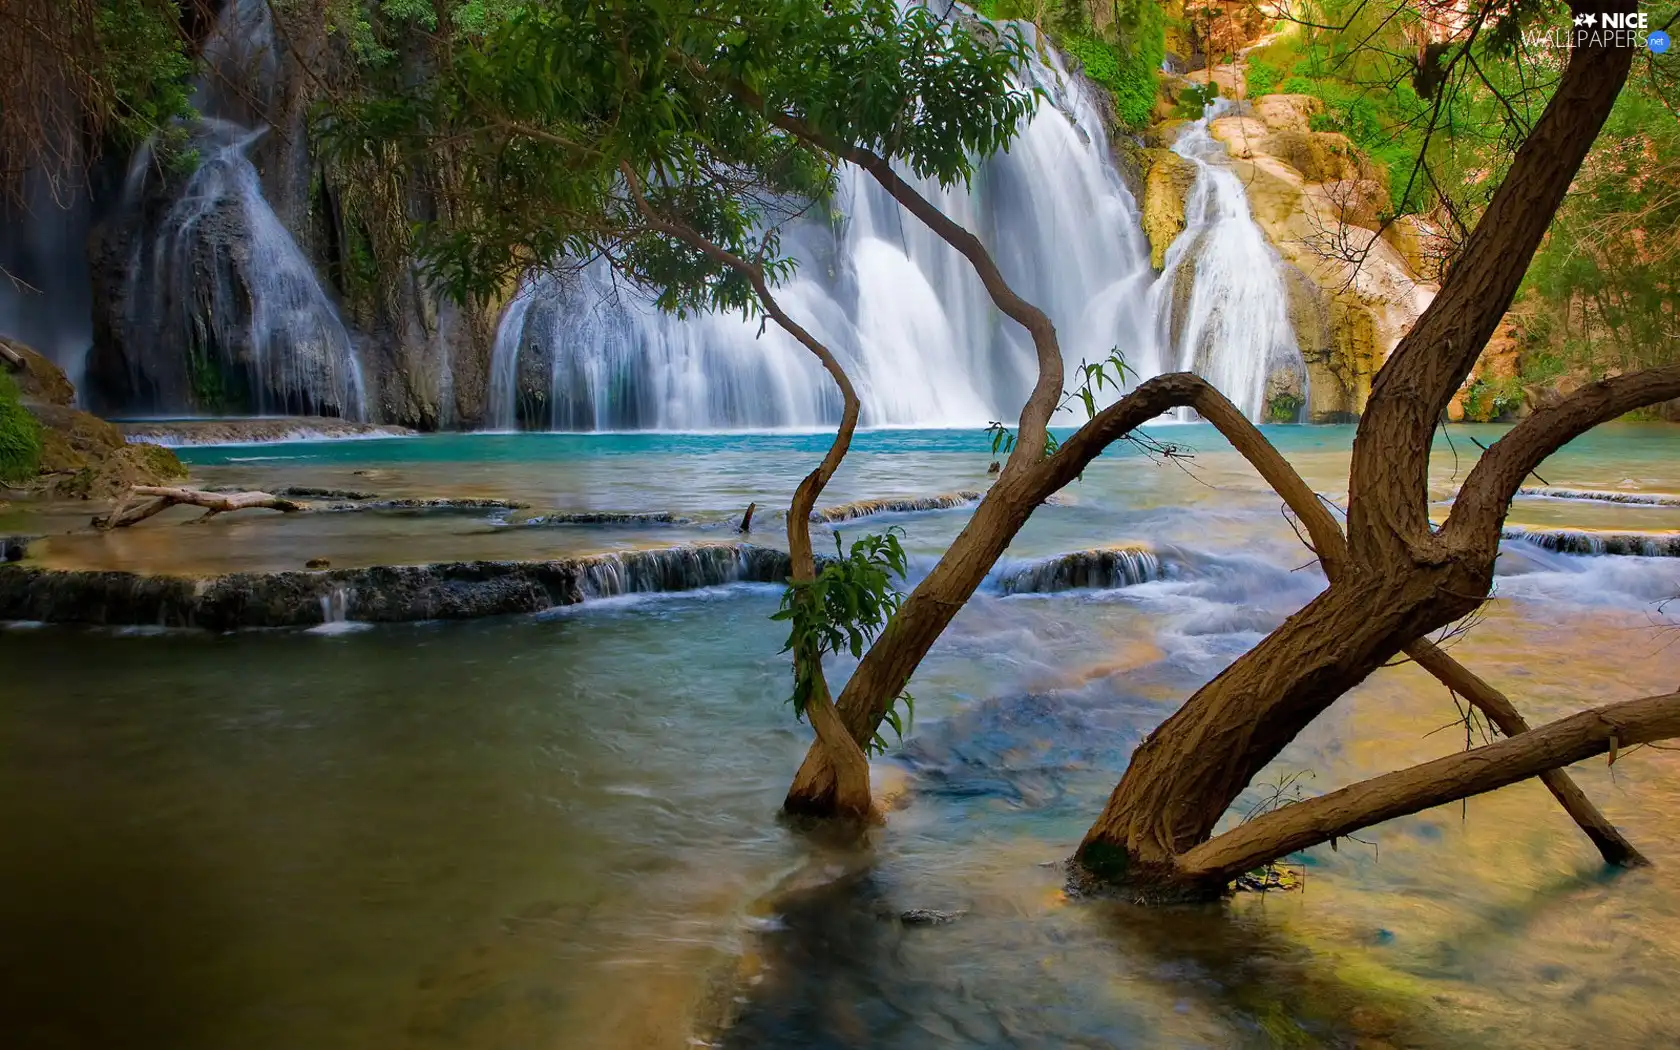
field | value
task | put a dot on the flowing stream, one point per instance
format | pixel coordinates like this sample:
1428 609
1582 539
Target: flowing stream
560 830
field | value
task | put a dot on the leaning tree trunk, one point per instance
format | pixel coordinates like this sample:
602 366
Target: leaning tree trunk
1401 579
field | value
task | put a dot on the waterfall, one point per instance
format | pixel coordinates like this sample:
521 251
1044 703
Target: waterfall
901 309
1221 303
1103 568
222 309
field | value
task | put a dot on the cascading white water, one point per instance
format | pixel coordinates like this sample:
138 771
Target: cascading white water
1221 303
903 310
222 282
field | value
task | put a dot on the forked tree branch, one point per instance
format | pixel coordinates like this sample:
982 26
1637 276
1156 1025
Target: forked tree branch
1331 547
1487 492
1388 484
1459 776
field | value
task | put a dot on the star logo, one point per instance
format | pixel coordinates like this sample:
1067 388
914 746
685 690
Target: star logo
1588 20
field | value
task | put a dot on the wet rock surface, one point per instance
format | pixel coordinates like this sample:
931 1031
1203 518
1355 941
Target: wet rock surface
254 431
865 508
379 594
1598 542
1099 568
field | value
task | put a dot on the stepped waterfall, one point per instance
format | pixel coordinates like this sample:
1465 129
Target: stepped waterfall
905 313
1221 306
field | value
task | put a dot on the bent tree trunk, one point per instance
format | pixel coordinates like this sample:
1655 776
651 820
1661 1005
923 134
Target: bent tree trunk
1399 579
1402 578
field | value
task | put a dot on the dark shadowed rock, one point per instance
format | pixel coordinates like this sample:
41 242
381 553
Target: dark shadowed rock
383 593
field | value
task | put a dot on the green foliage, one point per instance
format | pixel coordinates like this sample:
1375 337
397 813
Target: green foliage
1194 99
841 611
554 103
1284 408
20 436
145 71
1092 379
1603 284
1129 68
1262 77
1489 400
372 29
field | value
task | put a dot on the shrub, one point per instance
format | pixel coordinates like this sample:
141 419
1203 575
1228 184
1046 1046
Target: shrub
20 436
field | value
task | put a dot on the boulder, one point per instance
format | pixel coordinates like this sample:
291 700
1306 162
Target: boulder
1320 156
1241 135
39 381
1287 112
1166 188
82 456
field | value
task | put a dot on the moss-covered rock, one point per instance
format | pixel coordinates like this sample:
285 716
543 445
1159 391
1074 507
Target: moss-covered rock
1166 187
80 456
39 381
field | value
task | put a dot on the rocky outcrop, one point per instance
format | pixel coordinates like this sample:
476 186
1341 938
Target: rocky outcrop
254 431
1352 294
1166 186
865 508
1635 499
82 456
380 594
1597 542
1102 568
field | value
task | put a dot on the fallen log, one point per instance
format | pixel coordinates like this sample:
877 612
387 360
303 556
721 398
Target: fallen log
161 498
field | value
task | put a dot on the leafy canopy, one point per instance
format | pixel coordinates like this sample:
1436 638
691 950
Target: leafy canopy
551 107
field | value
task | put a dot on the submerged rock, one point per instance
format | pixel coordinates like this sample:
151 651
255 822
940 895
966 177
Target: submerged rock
14 548
1102 568
443 503
1594 541
590 517
864 508
380 593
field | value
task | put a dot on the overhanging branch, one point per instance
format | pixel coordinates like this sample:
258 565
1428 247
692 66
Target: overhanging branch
1487 492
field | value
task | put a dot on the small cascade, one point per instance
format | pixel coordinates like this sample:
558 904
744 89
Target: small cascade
680 569
1102 568
335 606
1220 303
1595 542
222 311
904 312
1634 499
865 508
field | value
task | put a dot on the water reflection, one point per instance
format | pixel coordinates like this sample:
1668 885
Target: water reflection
561 832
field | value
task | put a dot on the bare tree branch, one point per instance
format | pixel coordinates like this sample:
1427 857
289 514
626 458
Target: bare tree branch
1473 772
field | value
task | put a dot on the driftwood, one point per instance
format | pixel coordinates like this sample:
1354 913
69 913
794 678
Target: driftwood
10 356
159 498
746 519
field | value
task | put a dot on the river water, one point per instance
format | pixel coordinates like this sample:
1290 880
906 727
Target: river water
560 831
